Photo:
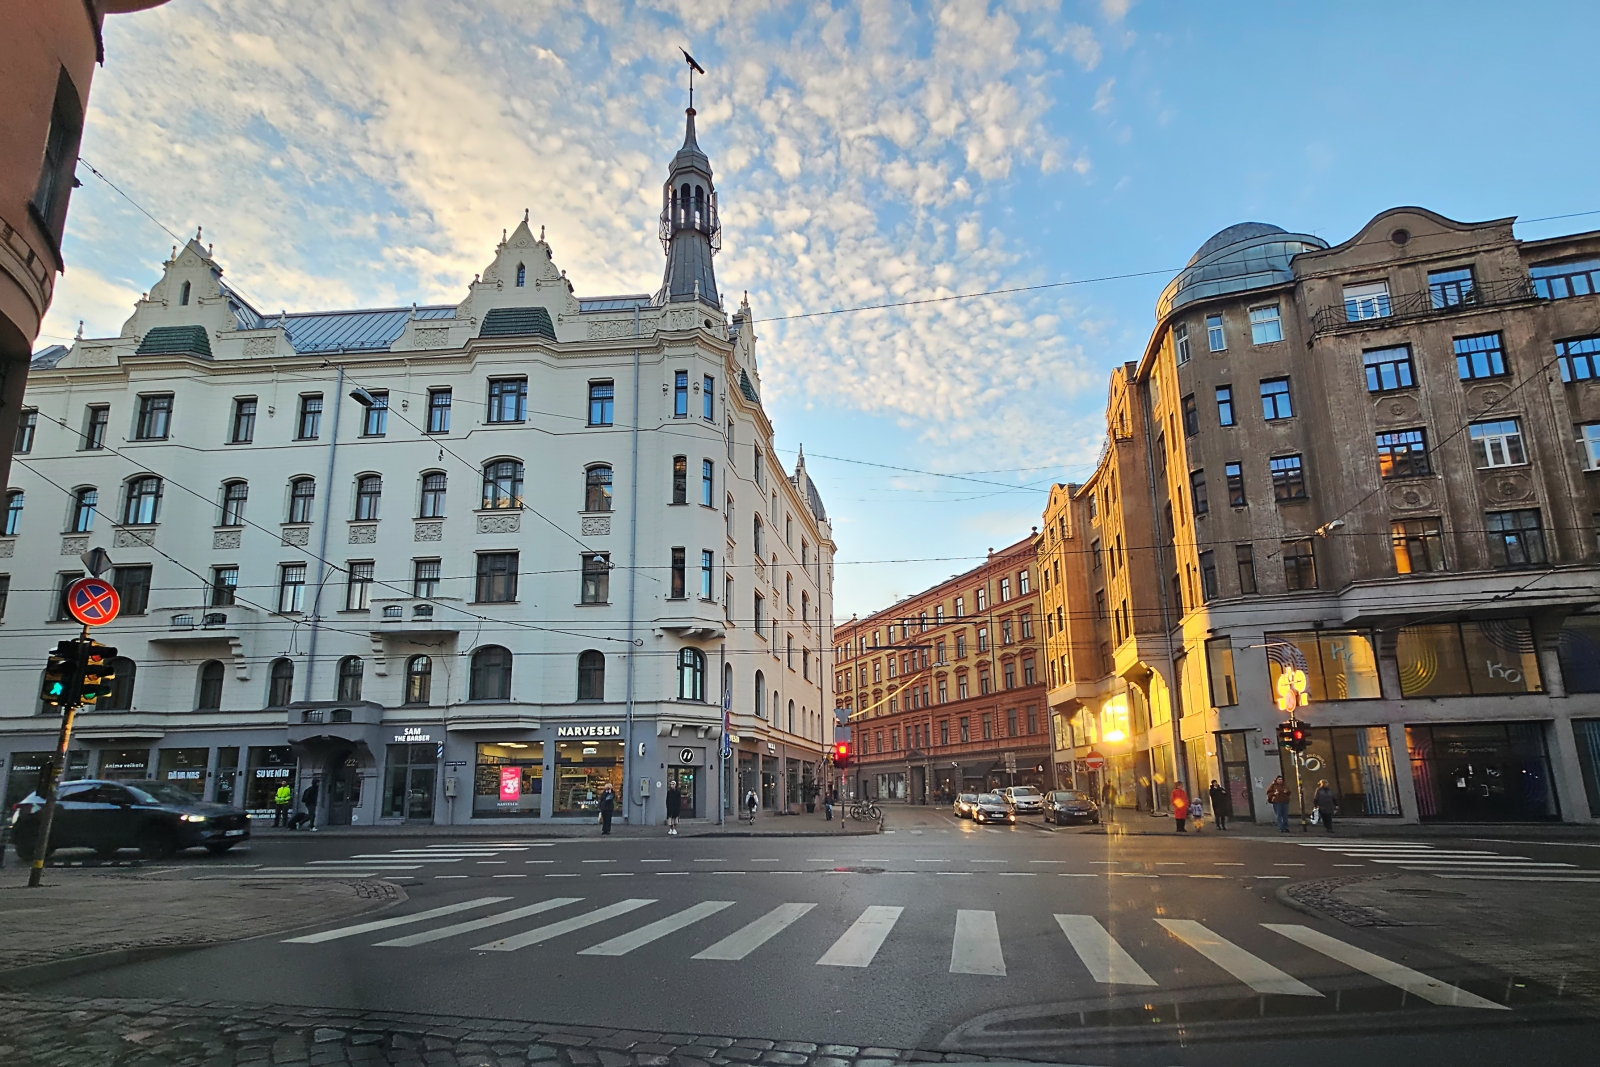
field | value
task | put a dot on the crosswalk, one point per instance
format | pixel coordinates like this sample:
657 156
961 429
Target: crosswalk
1455 863
402 863
976 948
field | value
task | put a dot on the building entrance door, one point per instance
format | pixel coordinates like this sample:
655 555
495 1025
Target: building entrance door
685 779
919 785
409 781
344 788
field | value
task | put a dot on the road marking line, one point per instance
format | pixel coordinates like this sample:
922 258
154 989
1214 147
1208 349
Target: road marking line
1090 875
669 874
1131 874
1226 863
1200 876
617 874
511 876
697 860
748 938
763 861
1172 863
976 948
1288 865
641 861
384 924
1401 977
1107 961
352 866
1349 864
1269 877
968 874
941 861
1514 878
623 944
599 861
1250 969
858 945
728 872
1475 863
538 861
471 925
389 857
502 863
566 926
1047 861
561 876
990 861
438 876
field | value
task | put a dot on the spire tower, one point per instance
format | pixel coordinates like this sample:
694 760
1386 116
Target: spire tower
690 232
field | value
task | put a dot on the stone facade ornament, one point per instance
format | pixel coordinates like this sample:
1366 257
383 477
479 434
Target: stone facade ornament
8 548
224 540
133 537
428 531
433 338
260 346
1411 496
364 534
1483 399
299 536
500 523
596 525
618 329
1395 408
74 546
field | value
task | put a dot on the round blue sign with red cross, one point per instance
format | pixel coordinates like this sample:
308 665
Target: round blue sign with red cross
92 601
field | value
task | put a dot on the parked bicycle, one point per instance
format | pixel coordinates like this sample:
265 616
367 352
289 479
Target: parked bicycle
862 809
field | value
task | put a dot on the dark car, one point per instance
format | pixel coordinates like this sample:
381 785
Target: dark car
157 818
1062 806
992 807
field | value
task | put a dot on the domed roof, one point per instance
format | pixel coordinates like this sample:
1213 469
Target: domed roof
1244 256
1239 231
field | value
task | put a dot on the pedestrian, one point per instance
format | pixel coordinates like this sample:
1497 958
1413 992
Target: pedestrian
1221 805
1278 797
674 805
1327 805
1180 806
1108 801
608 808
309 816
751 802
827 805
280 804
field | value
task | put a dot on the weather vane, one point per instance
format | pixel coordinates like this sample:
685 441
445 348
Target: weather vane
693 68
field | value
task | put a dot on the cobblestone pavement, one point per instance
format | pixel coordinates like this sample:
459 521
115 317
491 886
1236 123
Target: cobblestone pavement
42 1031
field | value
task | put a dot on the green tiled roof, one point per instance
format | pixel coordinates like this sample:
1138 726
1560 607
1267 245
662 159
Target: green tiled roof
176 341
747 389
518 322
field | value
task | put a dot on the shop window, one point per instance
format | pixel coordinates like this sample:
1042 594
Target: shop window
184 768
583 770
1466 772
508 780
1479 657
1339 664
267 768
1355 762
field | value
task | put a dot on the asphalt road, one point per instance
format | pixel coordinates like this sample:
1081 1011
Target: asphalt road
1073 947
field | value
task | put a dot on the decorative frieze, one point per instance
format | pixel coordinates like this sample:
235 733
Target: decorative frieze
260 346
428 531
507 522
363 533
225 540
297 536
597 525
74 546
432 338
133 537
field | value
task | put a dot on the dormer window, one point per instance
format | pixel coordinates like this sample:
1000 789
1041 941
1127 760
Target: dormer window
522 275
183 295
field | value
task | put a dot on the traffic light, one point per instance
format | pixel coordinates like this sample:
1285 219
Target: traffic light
62 677
1299 736
1286 735
841 753
98 674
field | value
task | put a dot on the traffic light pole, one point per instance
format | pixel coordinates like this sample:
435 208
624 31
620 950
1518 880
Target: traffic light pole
57 769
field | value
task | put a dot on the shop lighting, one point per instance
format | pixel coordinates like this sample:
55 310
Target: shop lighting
1115 735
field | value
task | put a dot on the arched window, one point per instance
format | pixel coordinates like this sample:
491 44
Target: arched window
144 501
419 679
691 674
522 275
699 207
597 488
775 708
433 486
280 683
502 484
369 490
591 675
183 295
13 512
121 698
727 682
791 716
210 686
234 495
491 674
351 668
302 494
761 694
83 508
683 202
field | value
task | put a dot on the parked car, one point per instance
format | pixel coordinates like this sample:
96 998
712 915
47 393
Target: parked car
1063 806
992 807
157 818
1024 799
964 803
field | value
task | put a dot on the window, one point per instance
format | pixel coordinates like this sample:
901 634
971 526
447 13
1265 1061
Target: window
961 646
1557 281
1224 411
1516 538
1497 444
1591 445
1368 301
983 681
602 403
677 591
1234 474
234 495
1180 343
155 418
707 565
497 577
224 586
522 275
434 484
1265 326
94 436
597 489
502 485
988 726
64 581
121 698
1447 288
691 674
1299 566
310 417
680 479
960 607
491 674
1418 545
1197 492
761 616
1579 359
369 491
425 578
1214 336
708 398
1288 479
1005 590
83 509
1219 663
981 596
1022 588
1009 674
419 679
375 419
439 410
680 394
27 425
143 504
759 468
1275 399
1191 416
708 483
757 536
1388 368
1005 632
1208 575
983 639
302 494
358 587
351 669
133 587
291 588
591 675
1099 606
1403 454
56 179
1480 357
1485 657
508 399
280 683
210 686
596 579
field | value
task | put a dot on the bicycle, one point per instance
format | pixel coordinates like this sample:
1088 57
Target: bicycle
864 810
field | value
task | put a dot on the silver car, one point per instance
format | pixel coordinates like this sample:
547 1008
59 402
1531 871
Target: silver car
963 805
1024 799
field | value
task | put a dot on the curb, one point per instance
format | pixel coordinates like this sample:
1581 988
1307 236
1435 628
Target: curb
18 979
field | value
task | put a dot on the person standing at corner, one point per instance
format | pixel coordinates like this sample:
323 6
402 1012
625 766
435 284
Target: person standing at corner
674 806
1278 797
1326 803
608 808
280 804
1108 802
1221 805
1180 806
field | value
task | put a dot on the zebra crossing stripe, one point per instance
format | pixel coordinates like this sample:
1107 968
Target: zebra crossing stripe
384 924
478 924
623 944
976 948
742 942
1401 977
1253 971
1107 961
858 945
565 926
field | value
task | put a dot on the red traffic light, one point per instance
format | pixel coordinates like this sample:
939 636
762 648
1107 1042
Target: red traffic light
841 753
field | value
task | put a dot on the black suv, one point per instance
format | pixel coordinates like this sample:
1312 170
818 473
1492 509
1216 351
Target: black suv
157 818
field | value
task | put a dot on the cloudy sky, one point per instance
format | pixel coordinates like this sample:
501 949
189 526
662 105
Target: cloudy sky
351 153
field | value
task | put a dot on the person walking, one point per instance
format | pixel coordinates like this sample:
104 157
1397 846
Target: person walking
674 806
280 804
1108 801
608 808
1278 797
1180 806
1221 805
827 805
751 802
1326 803
309 816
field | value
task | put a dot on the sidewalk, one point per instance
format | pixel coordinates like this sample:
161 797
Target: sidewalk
1142 823
767 824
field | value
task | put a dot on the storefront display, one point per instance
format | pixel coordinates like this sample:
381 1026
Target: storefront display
687 781
227 775
583 769
1355 762
124 764
508 780
1482 771
22 777
1339 664
184 768
270 766
1486 656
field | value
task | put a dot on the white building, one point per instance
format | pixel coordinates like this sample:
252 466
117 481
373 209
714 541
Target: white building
456 563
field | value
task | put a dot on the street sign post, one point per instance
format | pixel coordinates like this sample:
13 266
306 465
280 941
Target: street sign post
92 601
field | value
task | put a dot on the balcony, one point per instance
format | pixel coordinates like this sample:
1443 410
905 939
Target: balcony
410 615
1433 302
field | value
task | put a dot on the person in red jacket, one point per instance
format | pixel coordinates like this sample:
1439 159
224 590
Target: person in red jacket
1180 806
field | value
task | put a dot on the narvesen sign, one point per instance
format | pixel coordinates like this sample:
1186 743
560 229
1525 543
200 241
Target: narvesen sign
589 731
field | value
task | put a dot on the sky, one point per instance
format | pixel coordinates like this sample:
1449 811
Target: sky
352 153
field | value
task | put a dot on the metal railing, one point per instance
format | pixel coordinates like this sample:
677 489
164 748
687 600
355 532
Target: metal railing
1435 300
